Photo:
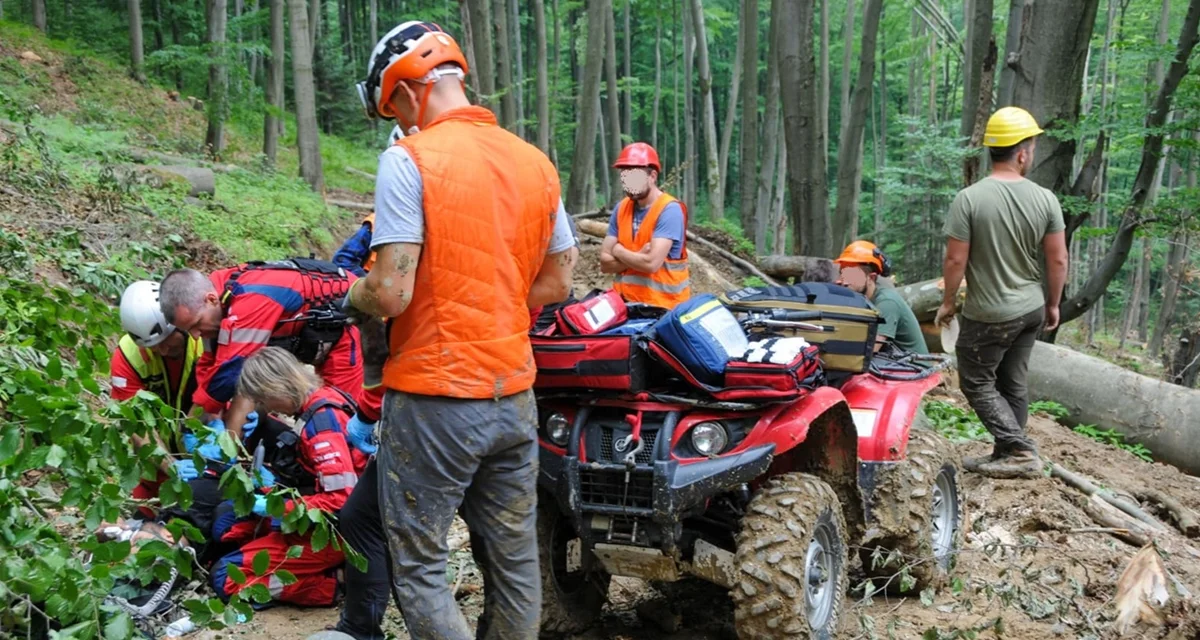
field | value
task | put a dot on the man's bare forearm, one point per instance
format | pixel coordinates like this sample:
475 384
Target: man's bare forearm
952 275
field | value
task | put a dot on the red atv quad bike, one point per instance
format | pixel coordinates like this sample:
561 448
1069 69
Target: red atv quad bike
647 473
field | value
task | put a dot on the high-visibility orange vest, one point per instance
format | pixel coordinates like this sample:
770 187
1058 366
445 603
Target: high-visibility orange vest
668 286
490 203
369 223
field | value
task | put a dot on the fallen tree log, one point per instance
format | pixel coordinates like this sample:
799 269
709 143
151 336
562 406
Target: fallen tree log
355 206
1120 525
798 267
926 296
200 180
1090 489
1184 519
1163 417
147 156
360 173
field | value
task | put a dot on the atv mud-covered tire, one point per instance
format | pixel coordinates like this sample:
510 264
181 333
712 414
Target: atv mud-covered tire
917 518
791 558
571 602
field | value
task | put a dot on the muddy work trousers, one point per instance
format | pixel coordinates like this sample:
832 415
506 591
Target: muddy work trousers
439 456
367 592
993 367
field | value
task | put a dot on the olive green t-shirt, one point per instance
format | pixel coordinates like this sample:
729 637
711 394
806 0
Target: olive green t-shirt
1005 222
899 322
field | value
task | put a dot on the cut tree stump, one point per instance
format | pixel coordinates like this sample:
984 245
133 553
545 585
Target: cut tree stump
1163 417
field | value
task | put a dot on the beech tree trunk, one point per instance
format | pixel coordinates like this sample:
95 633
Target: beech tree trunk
712 154
218 78
1177 265
504 77
518 52
1130 221
850 143
136 52
39 15
806 170
373 22
578 196
691 158
847 62
763 209
657 84
627 123
613 96
480 12
1044 61
731 105
308 142
881 166
1185 366
749 117
1110 397
823 98
543 79
780 226
314 26
602 168
274 88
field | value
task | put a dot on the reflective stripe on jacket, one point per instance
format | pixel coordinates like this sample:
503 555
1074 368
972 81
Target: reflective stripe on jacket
668 286
490 203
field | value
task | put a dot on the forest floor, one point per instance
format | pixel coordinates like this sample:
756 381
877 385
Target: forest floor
1029 570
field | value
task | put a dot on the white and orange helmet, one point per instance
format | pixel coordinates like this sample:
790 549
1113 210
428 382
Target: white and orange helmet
411 51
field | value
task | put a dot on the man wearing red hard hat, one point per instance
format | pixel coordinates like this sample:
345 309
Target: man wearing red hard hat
646 245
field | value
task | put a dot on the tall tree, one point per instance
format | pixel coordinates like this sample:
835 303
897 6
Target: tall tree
823 98
373 21
732 107
304 94
979 33
504 78
480 13
578 197
654 115
763 210
136 52
627 123
39 15
1131 218
218 78
1043 72
749 114
805 170
613 100
689 112
881 148
467 43
514 30
850 143
712 155
847 62
543 80
314 24
274 88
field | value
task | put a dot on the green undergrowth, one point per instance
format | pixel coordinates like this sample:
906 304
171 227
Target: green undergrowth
960 424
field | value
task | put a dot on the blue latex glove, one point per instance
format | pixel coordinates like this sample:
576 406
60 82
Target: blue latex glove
186 470
260 505
264 478
361 435
212 451
190 441
251 424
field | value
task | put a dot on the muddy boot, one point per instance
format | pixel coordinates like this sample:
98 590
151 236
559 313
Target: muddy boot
971 463
1015 465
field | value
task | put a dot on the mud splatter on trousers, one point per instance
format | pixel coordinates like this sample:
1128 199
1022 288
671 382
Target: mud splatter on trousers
439 456
993 367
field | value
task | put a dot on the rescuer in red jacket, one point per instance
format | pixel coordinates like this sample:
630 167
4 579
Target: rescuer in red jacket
324 471
242 309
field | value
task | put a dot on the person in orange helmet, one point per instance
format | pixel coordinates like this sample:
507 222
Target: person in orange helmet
862 264
646 245
470 235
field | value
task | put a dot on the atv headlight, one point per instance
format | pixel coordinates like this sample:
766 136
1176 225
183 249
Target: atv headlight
558 429
709 438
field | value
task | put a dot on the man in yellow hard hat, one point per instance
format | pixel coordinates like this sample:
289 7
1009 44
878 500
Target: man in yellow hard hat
997 232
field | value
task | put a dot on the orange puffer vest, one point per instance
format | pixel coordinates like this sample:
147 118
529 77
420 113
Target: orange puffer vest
668 286
490 203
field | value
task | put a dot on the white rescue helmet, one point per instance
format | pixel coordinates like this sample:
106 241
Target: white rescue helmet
142 317
395 136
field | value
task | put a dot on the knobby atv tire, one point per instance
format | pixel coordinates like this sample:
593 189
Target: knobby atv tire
903 518
571 605
777 530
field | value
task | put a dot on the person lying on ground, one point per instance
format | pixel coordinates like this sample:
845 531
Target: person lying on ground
242 309
327 471
862 265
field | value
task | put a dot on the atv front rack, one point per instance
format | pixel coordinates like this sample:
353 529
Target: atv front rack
891 363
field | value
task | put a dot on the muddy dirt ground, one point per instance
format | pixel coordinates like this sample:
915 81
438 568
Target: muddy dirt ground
1032 568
